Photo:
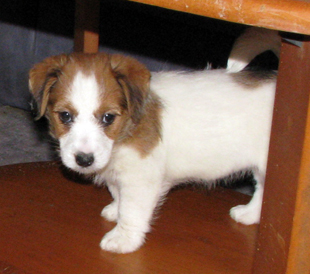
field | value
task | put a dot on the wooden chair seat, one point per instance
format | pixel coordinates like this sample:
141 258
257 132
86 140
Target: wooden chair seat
284 15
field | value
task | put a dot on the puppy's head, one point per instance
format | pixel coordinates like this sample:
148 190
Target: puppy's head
92 101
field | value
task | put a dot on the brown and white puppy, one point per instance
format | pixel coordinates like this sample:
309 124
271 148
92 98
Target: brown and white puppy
142 133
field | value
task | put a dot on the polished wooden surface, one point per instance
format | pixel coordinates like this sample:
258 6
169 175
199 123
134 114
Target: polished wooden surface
50 224
285 15
284 234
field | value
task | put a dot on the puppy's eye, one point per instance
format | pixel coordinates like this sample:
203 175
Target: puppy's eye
108 119
65 117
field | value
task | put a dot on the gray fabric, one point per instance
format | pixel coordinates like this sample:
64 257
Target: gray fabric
20 49
22 140
29 32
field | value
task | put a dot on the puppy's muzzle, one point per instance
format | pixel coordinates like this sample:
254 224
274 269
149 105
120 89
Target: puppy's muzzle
84 159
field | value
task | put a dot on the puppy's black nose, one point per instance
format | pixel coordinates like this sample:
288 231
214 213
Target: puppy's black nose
84 159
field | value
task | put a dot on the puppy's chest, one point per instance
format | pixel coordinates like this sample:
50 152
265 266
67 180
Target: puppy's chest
109 176
124 160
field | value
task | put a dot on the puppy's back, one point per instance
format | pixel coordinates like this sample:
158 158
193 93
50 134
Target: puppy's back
213 125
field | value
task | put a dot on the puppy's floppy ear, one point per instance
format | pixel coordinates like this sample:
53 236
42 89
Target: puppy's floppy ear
42 77
134 79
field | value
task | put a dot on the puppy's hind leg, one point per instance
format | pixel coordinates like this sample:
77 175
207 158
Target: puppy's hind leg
250 213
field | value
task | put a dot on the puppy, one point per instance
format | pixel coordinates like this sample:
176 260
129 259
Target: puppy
142 133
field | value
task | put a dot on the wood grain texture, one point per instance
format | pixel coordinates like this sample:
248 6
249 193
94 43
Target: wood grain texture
50 224
285 15
284 233
299 252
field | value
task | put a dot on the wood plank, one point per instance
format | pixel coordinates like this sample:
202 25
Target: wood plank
284 233
50 224
86 33
284 15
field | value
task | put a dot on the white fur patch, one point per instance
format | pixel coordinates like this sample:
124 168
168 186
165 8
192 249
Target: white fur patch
86 134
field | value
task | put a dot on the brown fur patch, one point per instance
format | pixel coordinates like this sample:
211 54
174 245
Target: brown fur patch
42 77
145 135
140 123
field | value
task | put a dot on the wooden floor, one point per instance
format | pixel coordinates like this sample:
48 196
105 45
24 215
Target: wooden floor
51 224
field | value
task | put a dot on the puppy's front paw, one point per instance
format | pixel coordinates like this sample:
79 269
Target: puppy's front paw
245 214
110 212
122 241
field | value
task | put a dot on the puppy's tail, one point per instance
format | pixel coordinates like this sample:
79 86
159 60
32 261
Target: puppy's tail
251 43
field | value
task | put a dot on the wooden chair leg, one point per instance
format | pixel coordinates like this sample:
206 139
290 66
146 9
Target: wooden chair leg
284 234
86 33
